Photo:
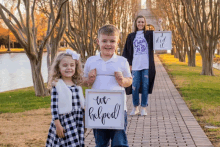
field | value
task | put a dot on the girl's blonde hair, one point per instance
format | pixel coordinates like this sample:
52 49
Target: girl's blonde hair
55 75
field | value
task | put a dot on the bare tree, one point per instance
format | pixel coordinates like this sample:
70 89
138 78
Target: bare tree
202 32
174 21
50 9
25 32
83 23
86 17
124 19
183 30
203 19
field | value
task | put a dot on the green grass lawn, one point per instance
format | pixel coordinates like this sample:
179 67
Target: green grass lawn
21 100
201 93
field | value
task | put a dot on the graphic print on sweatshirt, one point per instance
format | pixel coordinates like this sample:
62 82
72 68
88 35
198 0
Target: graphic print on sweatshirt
140 46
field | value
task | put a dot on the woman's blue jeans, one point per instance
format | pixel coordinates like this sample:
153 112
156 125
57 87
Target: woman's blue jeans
138 77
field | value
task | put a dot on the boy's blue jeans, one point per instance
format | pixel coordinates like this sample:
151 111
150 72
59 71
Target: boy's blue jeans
138 76
118 137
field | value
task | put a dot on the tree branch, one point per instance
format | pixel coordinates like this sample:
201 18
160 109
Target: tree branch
22 21
53 27
7 22
33 26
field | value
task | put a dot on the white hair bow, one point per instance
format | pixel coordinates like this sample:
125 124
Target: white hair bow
73 53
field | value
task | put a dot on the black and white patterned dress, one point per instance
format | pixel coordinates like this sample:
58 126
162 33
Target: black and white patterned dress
72 122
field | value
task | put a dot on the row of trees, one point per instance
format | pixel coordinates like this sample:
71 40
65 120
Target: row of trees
5 35
195 25
75 21
86 17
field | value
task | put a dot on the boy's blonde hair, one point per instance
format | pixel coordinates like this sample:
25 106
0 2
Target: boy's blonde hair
108 30
55 75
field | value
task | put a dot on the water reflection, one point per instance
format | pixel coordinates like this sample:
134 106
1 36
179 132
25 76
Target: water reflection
15 71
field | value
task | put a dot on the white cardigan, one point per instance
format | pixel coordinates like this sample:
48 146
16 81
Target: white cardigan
65 97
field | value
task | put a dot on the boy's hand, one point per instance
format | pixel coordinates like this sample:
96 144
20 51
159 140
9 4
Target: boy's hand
91 76
119 78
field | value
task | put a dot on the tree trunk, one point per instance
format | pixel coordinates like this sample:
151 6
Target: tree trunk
9 48
191 57
218 51
191 52
176 55
37 77
207 62
54 48
181 52
172 51
48 59
181 57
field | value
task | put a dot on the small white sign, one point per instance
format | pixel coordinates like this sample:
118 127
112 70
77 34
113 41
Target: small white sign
162 40
104 109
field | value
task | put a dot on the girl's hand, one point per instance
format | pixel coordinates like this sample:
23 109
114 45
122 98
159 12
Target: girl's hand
119 78
92 76
59 129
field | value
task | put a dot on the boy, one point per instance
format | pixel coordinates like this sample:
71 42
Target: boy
110 72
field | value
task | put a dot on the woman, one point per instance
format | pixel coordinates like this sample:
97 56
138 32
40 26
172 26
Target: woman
139 52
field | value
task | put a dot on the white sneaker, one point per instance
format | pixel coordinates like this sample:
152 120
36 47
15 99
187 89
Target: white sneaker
143 112
134 112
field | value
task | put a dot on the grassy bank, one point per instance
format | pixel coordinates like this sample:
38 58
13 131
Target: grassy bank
201 93
12 50
21 100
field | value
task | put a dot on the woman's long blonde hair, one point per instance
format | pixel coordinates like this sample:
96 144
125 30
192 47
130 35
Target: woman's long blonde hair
135 23
55 75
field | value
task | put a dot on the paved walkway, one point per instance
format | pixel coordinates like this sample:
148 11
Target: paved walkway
169 121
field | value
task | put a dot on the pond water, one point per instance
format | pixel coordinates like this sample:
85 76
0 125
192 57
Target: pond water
15 71
216 65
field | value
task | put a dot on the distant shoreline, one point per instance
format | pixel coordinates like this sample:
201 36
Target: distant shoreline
14 52
18 50
4 52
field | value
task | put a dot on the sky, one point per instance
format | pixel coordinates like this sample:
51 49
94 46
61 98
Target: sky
2 2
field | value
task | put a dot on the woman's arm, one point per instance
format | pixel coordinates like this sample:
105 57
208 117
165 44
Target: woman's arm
127 50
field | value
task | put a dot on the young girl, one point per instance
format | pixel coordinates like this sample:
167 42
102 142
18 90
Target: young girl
67 102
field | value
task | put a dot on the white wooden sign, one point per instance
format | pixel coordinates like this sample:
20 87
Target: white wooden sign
162 40
104 109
